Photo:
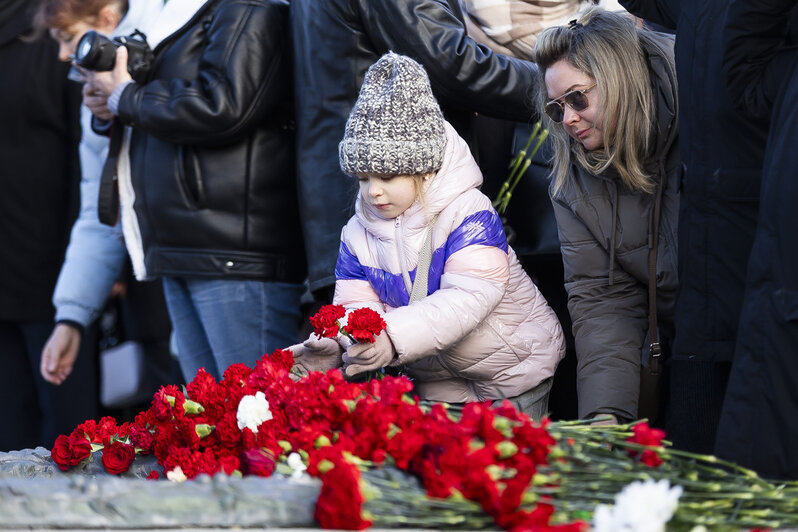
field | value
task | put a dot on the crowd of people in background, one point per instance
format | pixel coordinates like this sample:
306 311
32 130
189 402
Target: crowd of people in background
260 159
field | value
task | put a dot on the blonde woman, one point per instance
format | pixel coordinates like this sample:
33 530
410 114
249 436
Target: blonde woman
608 92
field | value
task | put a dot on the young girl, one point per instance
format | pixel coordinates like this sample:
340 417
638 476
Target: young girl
480 330
609 92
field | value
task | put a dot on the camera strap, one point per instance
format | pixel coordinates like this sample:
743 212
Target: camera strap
108 200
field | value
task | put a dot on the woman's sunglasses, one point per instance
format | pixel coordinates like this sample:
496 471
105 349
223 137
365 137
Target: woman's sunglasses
576 100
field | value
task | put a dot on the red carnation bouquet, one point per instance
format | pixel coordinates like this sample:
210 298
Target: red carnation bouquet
362 325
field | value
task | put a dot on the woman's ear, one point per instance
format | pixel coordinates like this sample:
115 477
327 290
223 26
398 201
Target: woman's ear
108 19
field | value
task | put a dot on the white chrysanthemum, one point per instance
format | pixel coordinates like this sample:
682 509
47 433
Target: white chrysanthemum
639 507
295 462
176 475
252 411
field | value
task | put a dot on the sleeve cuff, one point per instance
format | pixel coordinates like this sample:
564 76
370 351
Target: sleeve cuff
113 99
73 324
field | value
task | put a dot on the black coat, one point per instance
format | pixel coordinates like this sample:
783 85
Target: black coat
40 170
722 150
335 41
212 148
758 426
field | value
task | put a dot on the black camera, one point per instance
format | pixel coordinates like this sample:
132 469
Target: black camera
97 52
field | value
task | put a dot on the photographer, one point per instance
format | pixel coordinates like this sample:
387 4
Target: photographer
95 260
204 168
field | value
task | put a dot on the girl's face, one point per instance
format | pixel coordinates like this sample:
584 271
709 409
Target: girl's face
583 126
389 195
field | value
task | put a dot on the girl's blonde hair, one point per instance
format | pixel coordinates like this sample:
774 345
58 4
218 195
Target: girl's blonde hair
609 48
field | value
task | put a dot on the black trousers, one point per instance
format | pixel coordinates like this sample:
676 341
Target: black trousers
35 411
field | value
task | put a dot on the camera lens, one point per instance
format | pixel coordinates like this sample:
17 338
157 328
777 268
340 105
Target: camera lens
95 52
83 49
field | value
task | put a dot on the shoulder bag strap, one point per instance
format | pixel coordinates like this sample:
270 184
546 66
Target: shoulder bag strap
108 200
420 283
656 349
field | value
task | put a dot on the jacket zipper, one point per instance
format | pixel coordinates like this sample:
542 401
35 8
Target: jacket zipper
398 239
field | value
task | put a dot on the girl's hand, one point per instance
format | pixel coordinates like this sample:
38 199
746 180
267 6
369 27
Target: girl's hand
317 354
369 357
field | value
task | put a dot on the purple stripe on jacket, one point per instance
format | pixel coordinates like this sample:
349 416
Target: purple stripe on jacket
481 228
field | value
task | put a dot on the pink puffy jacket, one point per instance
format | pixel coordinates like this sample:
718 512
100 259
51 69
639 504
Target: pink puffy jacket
484 331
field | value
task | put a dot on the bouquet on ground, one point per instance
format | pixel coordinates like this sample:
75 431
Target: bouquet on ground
387 459
469 469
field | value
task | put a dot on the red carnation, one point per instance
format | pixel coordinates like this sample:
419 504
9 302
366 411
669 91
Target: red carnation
364 324
340 502
645 435
325 321
229 464
282 358
118 456
260 462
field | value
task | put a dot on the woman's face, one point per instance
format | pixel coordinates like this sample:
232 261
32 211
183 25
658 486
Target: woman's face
67 38
583 126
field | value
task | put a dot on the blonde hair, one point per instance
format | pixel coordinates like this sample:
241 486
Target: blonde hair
609 47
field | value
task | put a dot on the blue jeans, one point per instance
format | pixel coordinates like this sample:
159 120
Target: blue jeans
222 322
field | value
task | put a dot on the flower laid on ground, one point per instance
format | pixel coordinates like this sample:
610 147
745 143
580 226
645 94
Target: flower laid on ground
296 464
640 507
386 459
649 437
252 411
117 457
256 421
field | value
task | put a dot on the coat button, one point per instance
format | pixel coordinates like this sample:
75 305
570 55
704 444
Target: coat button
229 264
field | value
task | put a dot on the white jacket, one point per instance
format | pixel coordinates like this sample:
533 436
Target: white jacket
484 331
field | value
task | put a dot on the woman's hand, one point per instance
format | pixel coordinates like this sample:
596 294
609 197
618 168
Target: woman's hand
369 357
97 102
100 85
59 353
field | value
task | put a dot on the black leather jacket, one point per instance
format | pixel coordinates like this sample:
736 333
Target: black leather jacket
211 148
335 41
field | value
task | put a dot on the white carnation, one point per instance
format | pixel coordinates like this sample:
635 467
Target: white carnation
252 411
176 475
639 507
295 462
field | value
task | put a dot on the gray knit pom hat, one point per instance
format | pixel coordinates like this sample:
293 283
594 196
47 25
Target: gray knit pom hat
396 125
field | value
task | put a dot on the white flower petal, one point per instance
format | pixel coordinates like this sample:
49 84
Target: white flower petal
176 475
252 411
640 507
